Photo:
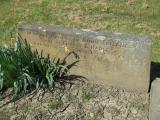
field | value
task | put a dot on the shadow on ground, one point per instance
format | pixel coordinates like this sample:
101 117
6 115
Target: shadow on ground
155 72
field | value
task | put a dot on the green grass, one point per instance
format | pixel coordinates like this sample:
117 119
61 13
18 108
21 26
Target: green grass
87 96
55 104
137 17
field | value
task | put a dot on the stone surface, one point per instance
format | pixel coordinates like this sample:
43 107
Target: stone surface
154 110
113 59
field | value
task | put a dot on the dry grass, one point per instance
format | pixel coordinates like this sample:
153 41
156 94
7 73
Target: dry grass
131 16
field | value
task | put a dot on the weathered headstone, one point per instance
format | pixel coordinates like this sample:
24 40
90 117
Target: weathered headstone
154 109
114 59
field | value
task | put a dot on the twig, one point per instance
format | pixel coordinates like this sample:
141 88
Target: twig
60 111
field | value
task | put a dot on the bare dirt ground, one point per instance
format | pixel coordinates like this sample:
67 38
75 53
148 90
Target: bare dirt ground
80 102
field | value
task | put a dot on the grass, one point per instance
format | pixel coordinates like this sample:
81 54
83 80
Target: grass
131 16
87 96
55 104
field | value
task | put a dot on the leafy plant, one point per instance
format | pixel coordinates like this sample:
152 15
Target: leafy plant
25 70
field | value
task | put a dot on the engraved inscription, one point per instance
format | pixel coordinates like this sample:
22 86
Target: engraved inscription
85 46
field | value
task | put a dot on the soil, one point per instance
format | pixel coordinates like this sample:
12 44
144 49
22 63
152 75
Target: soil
81 101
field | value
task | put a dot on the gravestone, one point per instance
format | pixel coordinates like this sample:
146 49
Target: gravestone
154 109
113 59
